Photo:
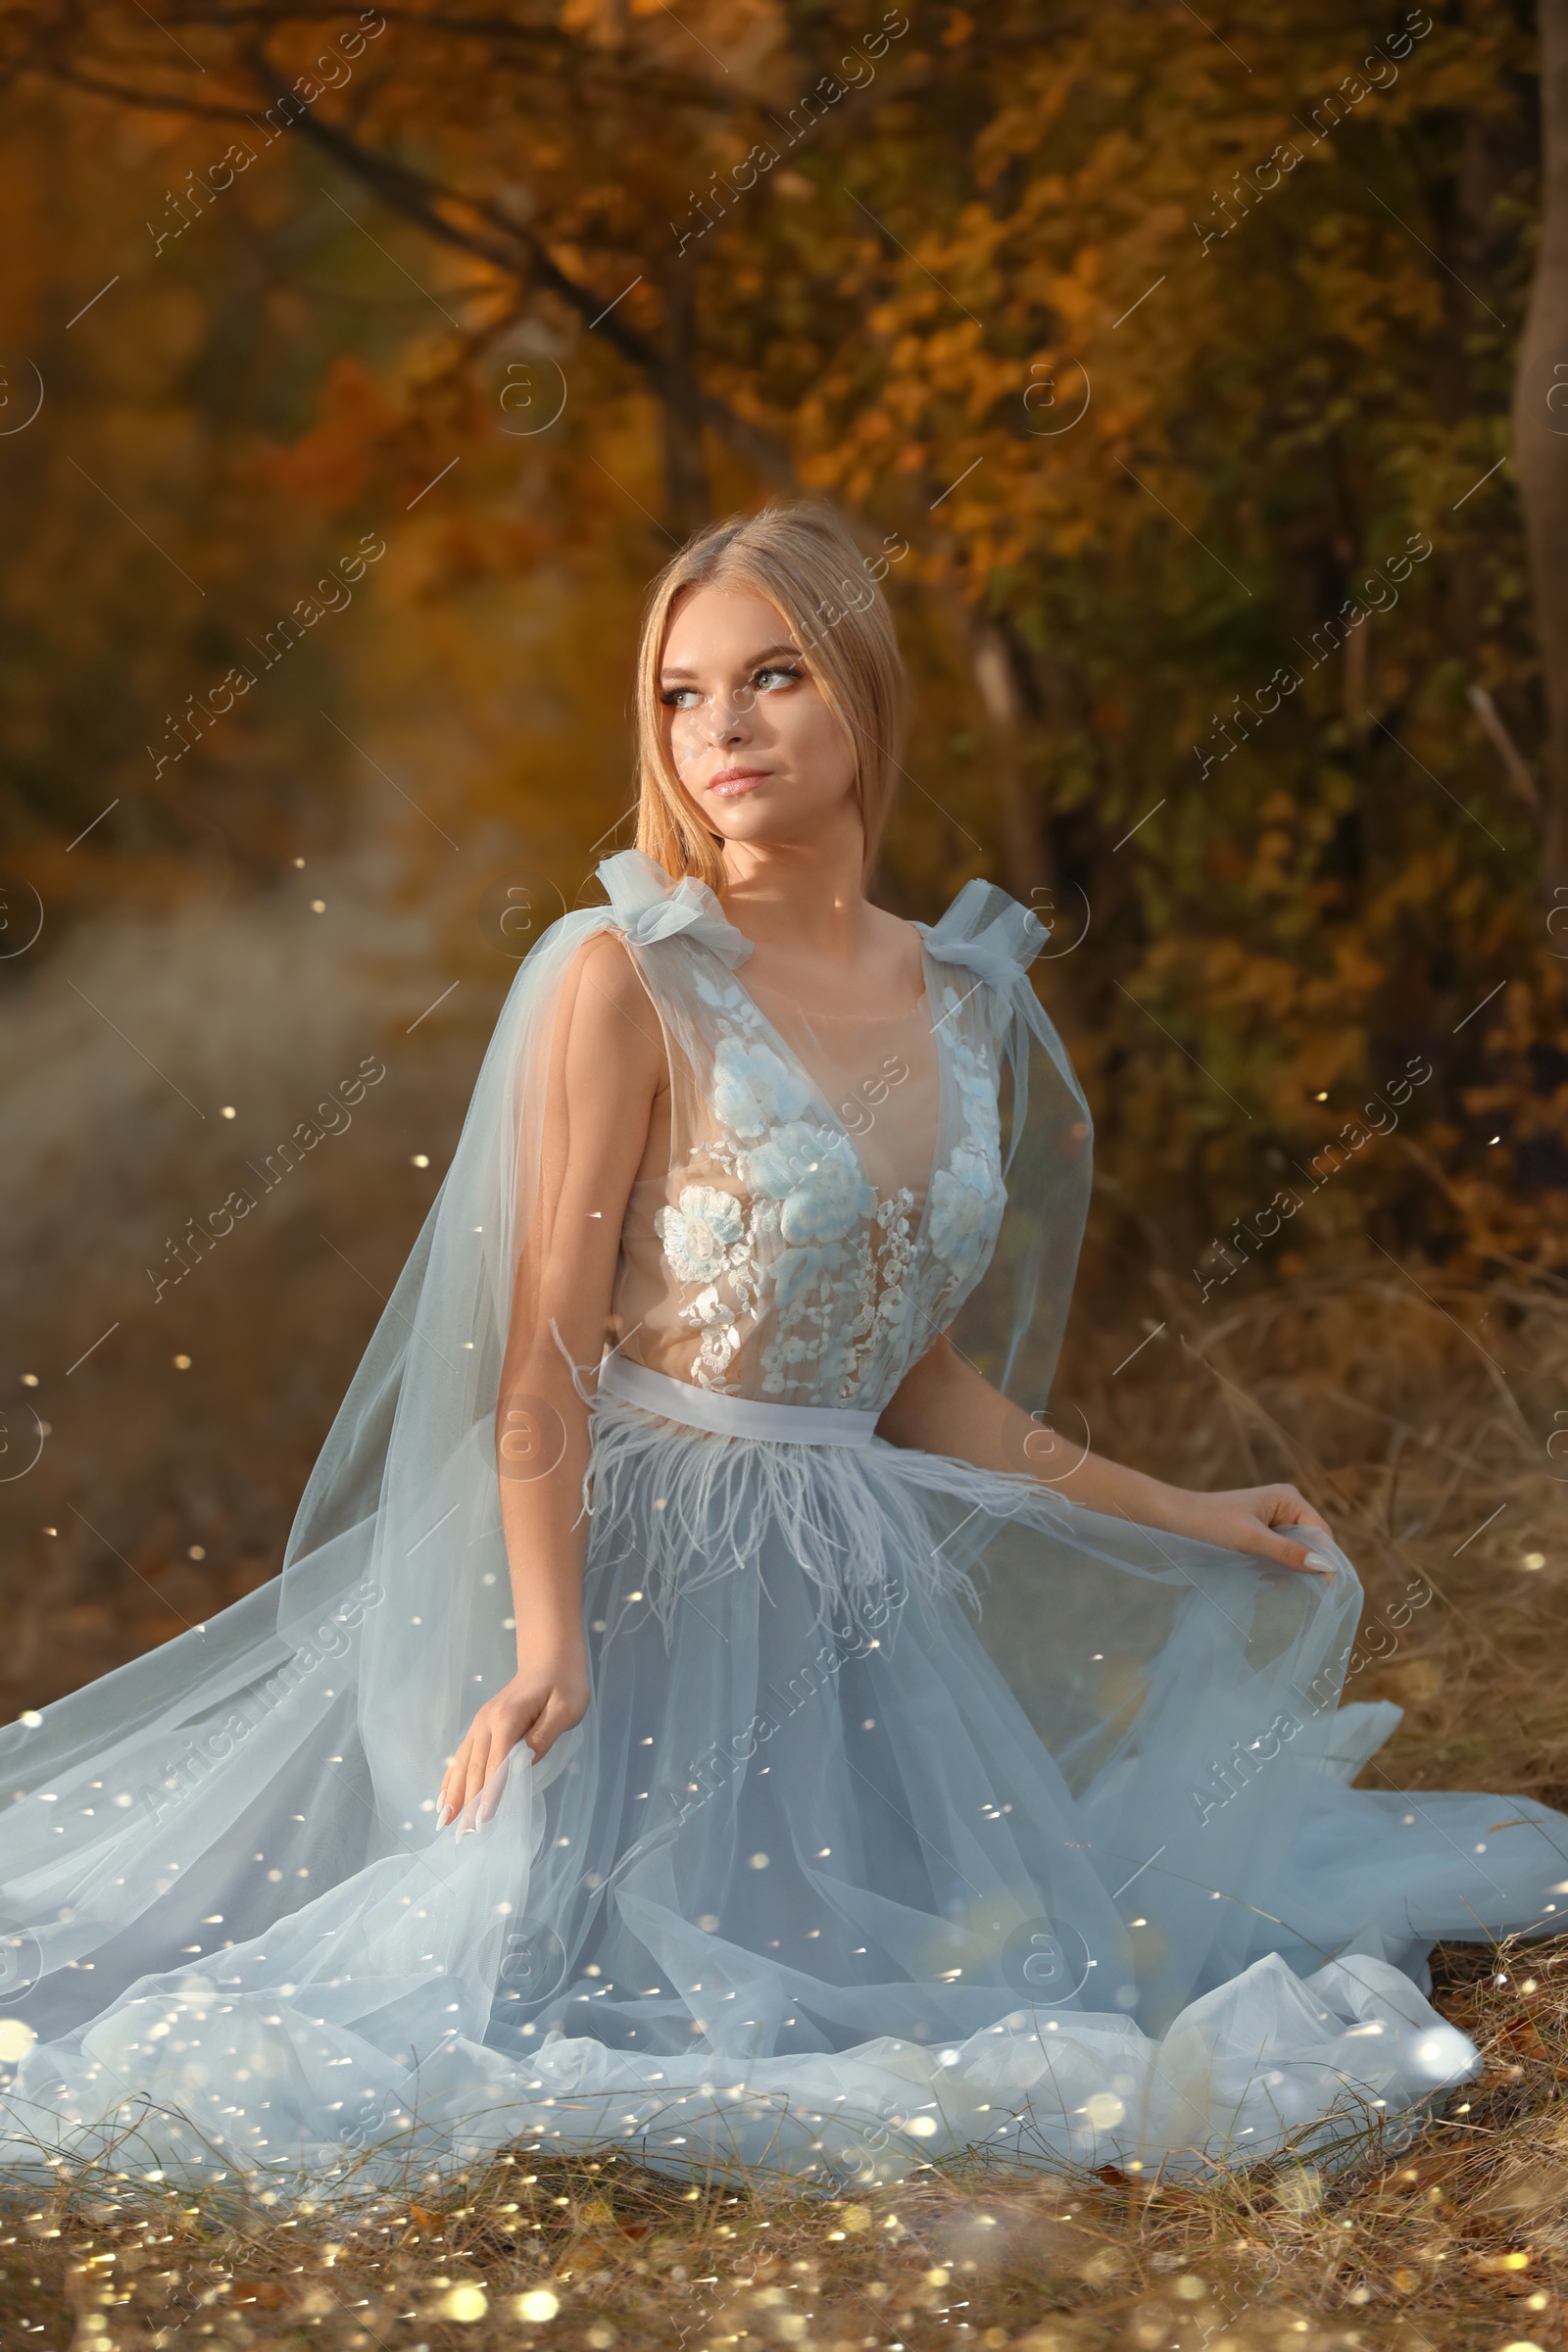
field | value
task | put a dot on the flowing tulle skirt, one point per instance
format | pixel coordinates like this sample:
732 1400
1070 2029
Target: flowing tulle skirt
815 1886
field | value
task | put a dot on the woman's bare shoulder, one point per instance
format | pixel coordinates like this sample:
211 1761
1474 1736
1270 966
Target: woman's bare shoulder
610 1018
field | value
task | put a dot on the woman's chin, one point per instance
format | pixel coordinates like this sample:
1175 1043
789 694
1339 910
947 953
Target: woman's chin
760 807
755 823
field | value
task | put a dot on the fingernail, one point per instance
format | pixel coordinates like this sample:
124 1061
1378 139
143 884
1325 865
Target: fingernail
1315 1559
443 1816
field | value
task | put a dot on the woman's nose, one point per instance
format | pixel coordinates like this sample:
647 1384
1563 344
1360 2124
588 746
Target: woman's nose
729 720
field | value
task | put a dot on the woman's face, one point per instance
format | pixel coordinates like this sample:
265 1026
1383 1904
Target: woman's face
759 754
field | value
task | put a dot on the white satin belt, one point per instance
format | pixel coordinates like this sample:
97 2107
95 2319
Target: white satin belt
733 1416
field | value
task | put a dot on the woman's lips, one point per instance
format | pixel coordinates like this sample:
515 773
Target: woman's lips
731 782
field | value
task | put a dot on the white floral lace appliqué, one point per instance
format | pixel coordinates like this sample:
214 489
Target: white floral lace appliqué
803 1249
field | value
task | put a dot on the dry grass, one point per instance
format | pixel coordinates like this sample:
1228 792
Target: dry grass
181 1429
1417 1414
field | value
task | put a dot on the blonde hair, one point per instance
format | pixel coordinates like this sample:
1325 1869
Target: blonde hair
801 559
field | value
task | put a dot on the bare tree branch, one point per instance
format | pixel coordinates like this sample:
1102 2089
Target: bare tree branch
513 249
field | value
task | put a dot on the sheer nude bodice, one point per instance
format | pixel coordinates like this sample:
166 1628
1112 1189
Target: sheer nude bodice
824 1193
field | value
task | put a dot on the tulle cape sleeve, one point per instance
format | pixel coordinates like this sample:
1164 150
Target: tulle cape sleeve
364 1659
1012 1325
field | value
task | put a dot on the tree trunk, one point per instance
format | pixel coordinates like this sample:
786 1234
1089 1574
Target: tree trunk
1025 847
1023 843
1541 433
688 502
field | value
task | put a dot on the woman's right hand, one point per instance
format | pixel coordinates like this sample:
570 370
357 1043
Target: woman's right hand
537 1706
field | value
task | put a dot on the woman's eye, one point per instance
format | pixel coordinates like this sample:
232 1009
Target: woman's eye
686 697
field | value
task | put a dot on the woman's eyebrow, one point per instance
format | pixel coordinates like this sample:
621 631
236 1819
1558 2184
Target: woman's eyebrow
667 676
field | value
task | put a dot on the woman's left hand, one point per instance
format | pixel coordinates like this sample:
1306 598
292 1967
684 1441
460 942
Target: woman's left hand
1252 1519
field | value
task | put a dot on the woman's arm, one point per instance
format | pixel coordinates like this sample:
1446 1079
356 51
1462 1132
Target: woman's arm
943 1405
605 1065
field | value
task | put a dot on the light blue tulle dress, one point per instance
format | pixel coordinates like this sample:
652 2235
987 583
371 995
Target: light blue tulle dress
916 1807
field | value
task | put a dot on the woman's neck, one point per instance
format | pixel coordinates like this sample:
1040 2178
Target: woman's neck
802 896
814 931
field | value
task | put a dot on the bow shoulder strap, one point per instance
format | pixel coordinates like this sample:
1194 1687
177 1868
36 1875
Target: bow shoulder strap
647 905
989 934
986 932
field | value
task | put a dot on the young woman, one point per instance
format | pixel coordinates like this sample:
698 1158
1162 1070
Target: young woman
616 1758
